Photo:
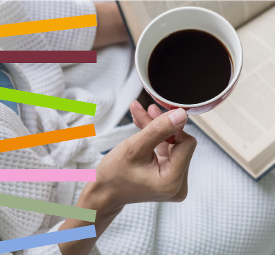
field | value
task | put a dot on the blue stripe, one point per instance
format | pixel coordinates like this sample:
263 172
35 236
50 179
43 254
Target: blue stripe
5 82
47 239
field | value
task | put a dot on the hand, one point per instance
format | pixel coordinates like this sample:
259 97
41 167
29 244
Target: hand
133 173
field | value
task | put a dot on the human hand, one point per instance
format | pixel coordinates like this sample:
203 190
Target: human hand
132 172
153 112
142 121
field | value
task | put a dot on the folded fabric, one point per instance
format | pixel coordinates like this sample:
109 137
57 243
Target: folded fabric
5 82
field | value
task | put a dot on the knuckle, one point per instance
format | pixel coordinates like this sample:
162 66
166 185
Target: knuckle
169 190
181 195
180 198
173 191
195 142
192 141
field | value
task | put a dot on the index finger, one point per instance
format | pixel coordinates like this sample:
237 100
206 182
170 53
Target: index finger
140 117
181 154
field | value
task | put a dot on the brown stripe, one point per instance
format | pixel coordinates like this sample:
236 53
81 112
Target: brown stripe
48 57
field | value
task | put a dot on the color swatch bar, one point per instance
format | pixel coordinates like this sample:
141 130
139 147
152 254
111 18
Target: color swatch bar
57 103
48 25
39 206
47 175
57 136
47 239
48 56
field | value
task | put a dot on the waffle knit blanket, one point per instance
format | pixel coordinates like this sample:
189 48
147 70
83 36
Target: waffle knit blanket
226 212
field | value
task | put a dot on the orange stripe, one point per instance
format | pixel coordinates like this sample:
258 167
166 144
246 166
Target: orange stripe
47 138
48 25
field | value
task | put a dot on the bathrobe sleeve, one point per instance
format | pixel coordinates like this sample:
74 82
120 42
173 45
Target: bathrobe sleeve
17 223
71 39
53 249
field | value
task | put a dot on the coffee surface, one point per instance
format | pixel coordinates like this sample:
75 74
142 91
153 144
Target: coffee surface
189 67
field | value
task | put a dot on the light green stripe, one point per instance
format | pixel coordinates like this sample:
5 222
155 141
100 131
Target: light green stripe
57 103
65 211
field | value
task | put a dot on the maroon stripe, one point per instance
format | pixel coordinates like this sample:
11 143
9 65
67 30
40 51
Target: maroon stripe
48 57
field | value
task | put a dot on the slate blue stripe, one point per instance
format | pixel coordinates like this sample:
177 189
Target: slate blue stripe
47 239
6 83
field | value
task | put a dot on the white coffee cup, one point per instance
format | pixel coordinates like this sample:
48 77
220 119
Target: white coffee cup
188 18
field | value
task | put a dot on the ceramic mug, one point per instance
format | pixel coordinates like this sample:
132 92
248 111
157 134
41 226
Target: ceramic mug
188 18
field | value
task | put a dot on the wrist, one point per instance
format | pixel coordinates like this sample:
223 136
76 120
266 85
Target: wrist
98 196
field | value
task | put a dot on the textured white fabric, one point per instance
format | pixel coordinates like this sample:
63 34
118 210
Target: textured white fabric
226 212
72 82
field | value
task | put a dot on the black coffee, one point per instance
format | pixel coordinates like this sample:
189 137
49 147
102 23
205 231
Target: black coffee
189 67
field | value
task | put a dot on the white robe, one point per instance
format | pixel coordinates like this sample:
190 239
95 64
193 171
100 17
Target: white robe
226 212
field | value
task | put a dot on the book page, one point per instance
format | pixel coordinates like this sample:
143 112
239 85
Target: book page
132 17
139 14
246 120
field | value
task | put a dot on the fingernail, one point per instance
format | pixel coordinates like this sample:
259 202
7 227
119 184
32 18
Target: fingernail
138 105
178 117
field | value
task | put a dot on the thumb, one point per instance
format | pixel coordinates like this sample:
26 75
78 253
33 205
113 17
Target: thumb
158 130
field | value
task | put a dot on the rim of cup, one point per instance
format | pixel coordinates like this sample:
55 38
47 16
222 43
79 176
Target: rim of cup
237 70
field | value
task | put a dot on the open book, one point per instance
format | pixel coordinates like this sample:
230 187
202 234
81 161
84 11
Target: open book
244 124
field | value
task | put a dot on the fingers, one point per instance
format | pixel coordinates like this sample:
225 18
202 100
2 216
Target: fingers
138 114
141 122
162 149
154 111
158 130
140 117
180 155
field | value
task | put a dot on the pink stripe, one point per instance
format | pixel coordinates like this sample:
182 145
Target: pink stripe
47 175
